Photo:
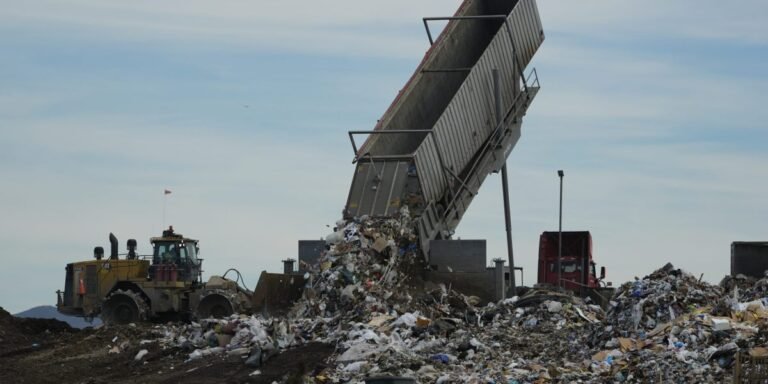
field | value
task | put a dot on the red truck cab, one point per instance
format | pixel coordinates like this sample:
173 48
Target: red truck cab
577 266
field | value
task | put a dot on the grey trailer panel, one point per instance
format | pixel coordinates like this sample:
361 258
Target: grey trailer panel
377 188
529 32
488 161
388 200
442 140
450 98
426 94
360 185
429 168
456 126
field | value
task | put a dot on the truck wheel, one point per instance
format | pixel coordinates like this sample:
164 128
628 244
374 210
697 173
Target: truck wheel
123 307
214 305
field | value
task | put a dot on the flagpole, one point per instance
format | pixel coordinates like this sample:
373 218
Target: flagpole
166 192
165 198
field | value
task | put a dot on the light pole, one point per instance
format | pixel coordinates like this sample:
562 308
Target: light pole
560 233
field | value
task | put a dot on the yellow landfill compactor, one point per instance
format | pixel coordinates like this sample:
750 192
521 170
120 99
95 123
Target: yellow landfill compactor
166 284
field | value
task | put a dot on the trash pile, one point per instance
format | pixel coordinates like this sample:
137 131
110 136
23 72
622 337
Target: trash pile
366 297
361 276
239 337
658 298
671 326
742 288
366 270
664 327
498 342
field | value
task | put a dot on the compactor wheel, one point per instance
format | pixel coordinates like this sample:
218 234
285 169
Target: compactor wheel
215 305
123 307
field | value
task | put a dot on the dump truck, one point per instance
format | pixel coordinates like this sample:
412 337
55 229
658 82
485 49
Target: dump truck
168 283
455 122
577 267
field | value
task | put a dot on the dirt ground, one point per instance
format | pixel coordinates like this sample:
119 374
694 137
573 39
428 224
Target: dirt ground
49 351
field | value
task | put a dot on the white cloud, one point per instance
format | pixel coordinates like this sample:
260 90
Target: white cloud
349 28
596 92
619 20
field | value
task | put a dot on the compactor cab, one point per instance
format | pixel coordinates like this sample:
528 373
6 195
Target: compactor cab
174 258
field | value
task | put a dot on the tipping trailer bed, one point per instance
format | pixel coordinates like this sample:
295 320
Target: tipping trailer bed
442 135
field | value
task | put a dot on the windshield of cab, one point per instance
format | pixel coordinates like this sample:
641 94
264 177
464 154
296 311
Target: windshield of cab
566 266
175 253
190 251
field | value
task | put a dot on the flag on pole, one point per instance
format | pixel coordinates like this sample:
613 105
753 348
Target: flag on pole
167 192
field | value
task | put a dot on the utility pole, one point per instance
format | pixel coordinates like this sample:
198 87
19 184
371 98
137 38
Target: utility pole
560 234
512 290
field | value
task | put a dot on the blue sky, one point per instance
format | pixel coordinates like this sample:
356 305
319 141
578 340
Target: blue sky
654 109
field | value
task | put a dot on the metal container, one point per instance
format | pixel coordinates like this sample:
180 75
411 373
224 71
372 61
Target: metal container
749 258
442 136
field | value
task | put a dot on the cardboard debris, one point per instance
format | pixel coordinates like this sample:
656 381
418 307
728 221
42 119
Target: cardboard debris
380 320
600 356
422 322
380 244
627 344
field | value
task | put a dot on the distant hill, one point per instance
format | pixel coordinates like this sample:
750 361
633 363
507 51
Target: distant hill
50 312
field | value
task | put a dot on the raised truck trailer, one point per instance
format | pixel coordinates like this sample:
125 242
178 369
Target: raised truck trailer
454 122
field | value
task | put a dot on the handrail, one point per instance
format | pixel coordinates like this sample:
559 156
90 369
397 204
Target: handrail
379 132
448 18
535 75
